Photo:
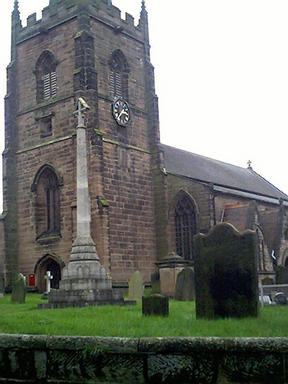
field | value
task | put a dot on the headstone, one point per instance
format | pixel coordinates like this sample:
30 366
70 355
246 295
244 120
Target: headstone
135 287
19 289
155 304
155 282
280 298
185 285
2 286
226 281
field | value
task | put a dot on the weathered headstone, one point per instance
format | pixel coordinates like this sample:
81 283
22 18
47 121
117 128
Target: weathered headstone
280 298
226 281
2 286
185 285
19 289
155 304
135 287
155 282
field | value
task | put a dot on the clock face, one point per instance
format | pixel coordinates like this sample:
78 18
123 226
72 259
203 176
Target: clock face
121 112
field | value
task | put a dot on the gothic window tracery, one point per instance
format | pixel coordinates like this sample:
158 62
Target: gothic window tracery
47 203
46 76
118 75
185 227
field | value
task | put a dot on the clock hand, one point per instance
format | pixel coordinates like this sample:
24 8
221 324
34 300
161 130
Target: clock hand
121 113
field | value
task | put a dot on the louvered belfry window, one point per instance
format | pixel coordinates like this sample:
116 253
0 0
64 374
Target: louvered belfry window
185 227
118 75
46 76
49 85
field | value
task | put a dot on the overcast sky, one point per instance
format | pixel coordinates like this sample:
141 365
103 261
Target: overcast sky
221 69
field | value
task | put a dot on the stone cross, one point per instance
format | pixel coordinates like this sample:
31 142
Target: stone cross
81 108
48 277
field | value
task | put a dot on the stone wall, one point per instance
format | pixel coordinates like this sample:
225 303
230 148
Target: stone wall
30 359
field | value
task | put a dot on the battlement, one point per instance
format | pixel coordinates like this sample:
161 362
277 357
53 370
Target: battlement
61 10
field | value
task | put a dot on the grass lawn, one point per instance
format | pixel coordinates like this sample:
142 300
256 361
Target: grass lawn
128 321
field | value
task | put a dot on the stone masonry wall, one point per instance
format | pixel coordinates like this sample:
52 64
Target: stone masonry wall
32 250
55 359
120 165
34 151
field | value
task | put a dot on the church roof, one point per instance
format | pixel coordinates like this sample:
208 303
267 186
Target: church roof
204 169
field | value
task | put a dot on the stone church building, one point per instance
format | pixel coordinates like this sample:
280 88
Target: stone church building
147 199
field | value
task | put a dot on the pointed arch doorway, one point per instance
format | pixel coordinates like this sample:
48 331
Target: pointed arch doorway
48 263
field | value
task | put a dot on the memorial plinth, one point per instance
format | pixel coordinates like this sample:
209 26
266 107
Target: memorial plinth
84 280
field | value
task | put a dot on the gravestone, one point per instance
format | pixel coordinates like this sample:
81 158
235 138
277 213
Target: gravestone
155 282
19 289
280 298
155 304
185 285
135 287
2 286
226 281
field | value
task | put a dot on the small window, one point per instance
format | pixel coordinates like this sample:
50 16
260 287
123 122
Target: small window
46 76
46 126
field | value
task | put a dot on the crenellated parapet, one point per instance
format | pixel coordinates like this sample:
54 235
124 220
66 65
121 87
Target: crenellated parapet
59 11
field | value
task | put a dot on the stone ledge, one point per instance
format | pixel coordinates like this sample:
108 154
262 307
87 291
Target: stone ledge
28 358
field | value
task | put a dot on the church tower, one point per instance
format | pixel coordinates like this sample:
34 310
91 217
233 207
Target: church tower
81 48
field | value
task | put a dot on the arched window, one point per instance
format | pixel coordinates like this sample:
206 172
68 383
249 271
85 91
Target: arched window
185 227
119 75
47 202
46 77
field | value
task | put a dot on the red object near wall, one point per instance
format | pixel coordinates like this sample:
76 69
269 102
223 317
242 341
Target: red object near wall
31 280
